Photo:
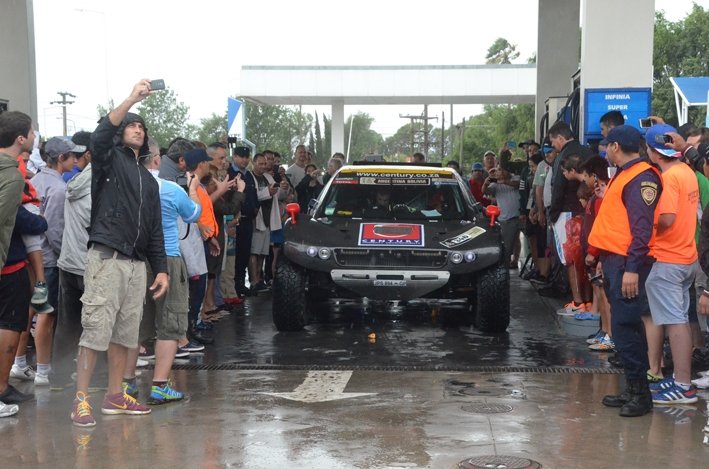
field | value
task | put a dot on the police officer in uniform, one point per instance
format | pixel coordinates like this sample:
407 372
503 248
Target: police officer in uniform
625 231
249 210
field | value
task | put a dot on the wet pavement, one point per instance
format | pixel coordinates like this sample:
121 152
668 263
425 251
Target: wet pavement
323 418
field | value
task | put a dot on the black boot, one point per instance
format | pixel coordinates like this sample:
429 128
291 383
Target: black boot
240 287
196 335
619 400
640 402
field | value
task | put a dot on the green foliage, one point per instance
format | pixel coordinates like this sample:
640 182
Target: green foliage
104 111
365 140
680 50
212 128
400 142
165 116
501 52
319 147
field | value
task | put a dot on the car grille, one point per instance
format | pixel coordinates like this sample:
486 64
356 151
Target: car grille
390 258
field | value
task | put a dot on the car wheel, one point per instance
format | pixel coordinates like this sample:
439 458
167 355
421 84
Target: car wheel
289 300
492 302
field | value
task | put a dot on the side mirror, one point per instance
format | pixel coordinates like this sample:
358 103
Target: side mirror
491 211
294 209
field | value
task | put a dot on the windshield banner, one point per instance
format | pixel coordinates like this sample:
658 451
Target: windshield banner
375 234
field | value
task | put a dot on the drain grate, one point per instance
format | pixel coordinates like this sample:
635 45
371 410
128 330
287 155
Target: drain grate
474 369
498 462
487 408
484 392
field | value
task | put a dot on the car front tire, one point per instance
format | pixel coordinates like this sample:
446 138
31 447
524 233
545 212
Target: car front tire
492 302
289 301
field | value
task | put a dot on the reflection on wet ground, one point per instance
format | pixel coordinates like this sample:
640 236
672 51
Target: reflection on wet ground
412 420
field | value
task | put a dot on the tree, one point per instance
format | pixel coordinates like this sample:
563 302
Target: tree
680 50
104 111
165 116
365 140
319 150
212 128
501 52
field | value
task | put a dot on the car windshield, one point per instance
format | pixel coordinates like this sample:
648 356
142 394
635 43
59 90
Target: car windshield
394 196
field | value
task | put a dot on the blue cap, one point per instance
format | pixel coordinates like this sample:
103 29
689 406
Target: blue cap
195 157
661 129
477 167
547 149
603 142
625 135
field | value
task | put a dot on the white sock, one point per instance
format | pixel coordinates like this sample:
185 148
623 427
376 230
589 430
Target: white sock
684 386
21 361
44 369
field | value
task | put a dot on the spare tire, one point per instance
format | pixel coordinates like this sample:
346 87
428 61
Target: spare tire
492 302
289 302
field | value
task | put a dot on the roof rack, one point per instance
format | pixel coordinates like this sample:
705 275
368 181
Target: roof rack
386 163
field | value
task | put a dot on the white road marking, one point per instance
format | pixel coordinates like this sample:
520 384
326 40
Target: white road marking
322 386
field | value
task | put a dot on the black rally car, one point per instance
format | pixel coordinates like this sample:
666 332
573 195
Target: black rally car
392 232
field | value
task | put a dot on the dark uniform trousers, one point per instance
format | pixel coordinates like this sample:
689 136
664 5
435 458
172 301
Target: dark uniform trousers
244 232
626 321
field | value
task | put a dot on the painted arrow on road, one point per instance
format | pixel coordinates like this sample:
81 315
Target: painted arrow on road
322 386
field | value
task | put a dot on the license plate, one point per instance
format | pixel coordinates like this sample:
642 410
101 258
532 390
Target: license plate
390 283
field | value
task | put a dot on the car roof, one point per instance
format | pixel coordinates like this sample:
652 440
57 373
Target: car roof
396 168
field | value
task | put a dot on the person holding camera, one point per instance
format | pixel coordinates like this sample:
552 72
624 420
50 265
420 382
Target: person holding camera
126 231
309 187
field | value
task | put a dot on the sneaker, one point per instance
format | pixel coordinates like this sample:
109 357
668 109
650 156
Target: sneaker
164 395
594 339
700 359
41 290
204 326
653 379
147 354
141 363
530 275
681 414
24 374
674 395
182 353
701 383
191 347
541 280
605 345
570 309
13 396
703 373
81 415
663 385
44 308
41 380
130 389
260 287
7 410
586 316
234 301
122 403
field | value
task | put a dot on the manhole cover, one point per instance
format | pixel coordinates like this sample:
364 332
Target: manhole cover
487 408
484 392
499 462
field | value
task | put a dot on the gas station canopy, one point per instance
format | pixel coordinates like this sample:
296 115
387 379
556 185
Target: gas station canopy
689 91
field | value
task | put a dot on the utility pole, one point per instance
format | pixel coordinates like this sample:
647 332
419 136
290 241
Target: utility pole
443 135
452 137
425 119
425 130
63 103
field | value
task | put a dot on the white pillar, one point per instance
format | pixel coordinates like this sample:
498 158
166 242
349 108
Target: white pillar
557 52
337 131
616 55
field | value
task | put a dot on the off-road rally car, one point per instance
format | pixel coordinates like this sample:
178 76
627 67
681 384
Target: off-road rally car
393 232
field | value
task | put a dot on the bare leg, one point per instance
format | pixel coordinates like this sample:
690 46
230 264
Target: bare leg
43 337
164 355
655 338
8 349
85 363
605 310
253 271
681 344
131 360
37 265
275 258
575 284
595 309
117 356
25 337
208 304
544 266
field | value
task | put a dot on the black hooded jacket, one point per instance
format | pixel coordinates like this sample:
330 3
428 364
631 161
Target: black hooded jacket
125 208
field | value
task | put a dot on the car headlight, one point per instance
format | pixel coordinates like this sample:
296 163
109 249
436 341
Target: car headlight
324 253
469 256
312 251
456 257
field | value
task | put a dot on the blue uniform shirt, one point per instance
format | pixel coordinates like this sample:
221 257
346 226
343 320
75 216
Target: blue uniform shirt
641 215
175 202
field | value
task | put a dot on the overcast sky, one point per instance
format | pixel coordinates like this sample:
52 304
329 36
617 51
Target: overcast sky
199 47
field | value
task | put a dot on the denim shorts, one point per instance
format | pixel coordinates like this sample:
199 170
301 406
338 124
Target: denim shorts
667 289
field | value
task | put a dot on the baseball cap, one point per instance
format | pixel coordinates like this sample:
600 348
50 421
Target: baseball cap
603 142
528 142
661 129
683 130
61 146
625 135
242 151
477 167
195 157
489 152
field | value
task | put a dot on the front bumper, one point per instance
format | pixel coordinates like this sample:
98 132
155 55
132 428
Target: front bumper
387 284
